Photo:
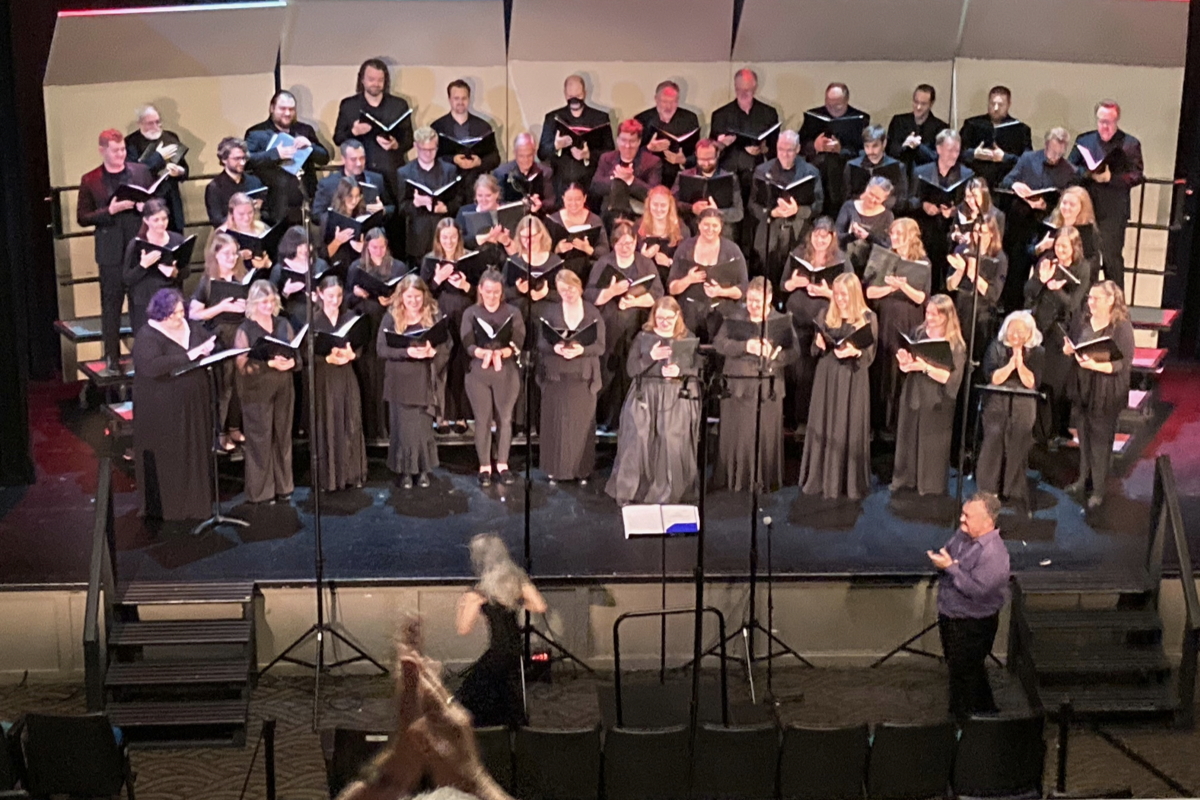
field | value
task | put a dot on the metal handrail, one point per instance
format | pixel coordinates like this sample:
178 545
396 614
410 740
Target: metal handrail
1020 648
101 581
670 612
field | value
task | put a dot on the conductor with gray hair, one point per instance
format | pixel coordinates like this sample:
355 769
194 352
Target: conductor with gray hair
492 690
972 588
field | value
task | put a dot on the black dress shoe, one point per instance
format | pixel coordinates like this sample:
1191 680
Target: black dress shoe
485 479
506 477
460 427
406 481
423 480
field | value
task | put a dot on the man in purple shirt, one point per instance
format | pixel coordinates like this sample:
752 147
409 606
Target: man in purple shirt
972 588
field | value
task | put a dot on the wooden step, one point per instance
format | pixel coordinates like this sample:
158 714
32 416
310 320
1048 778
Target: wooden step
146 593
157 673
1149 359
180 632
1086 619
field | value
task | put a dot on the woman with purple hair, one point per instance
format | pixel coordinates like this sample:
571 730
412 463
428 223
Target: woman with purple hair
172 416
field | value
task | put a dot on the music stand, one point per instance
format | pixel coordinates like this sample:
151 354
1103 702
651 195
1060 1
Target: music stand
209 364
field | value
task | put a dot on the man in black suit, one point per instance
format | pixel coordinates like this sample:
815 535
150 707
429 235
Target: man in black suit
386 151
524 178
159 149
910 137
1111 183
270 161
117 223
231 152
376 194
828 153
664 121
574 164
636 170
461 125
1007 136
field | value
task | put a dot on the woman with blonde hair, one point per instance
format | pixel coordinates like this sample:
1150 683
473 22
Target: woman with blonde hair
1099 384
243 218
1014 360
376 262
453 292
532 251
492 689
927 401
222 263
412 384
837 443
268 398
1074 210
660 230
656 445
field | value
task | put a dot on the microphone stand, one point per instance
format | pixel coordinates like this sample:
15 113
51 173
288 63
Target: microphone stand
321 626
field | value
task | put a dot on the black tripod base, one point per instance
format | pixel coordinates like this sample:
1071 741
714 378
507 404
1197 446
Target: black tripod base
749 658
319 631
906 647
563 653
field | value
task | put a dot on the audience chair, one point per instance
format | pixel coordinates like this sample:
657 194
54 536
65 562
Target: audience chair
1000 757
823 763
910 762
737 763
557 764
352 749
496 751
646 763
74 755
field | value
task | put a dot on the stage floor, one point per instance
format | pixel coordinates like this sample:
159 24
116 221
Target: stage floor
383 533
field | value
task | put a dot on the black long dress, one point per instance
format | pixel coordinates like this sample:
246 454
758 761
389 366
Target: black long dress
452 302
701 313
1097 400
1007 426
172 427
858 251
656 446
369 366
735 444
925 427
805 310
837 444
1053 311
567 428
491 690
413 390
224 326
665 248
342 449
896 314
620 327
143 282
574 259
986 307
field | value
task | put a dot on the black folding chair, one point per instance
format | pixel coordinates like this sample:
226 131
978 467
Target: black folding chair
10 769
74 755
557 764
739 763
1000 757
646 763
352 749
496 752
911 762
823 763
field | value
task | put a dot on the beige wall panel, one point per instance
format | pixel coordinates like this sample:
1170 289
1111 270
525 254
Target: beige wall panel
623 89
1047 94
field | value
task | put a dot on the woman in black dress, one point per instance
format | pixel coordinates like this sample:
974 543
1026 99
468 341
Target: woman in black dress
837 443
222 262
172 416
927 402
492 689
899 307
268 399
808 294
493 380
145 271
342 246
706 301
751 367
290 272
342 449
532 251
569 377
578 254
377 262
977 203
660 230
243 218
1074 210
1099 388
491 241
656 446
1014 360
625 308
413 382
969 281
865 222
452 290
1055 294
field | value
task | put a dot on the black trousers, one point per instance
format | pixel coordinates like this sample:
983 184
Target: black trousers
966 643
1007 440
1112 245
112 297
1096 434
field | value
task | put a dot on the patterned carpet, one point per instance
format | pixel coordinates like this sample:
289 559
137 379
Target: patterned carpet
904 690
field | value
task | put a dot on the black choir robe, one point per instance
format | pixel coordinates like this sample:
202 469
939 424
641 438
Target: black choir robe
576 260
703 314
805 310
136 145
142 282
420 223
775 237
221 188
973 132
730 118
831 165
898 131
935 230
541 176
285 192
858 251
1111 200
385 162
489 155
681 122
899 188
567 169
567 447
1054 310
732 215
340 437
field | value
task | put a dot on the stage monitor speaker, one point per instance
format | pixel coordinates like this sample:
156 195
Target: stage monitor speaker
352 749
